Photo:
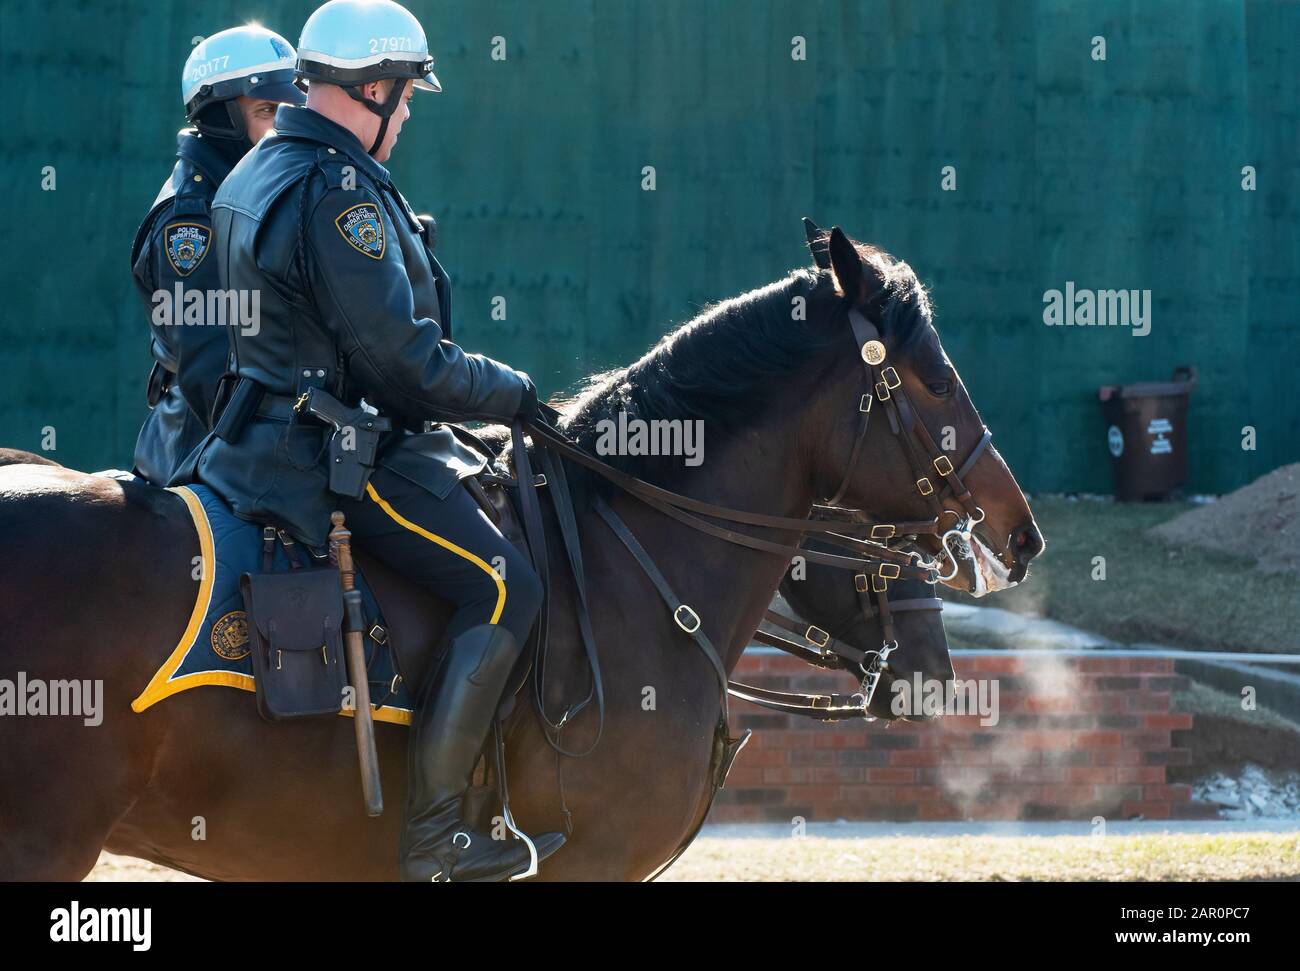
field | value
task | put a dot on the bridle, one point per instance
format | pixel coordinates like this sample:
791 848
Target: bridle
917 444
822 649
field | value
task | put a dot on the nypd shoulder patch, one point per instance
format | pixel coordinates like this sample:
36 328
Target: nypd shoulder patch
187 244
363 228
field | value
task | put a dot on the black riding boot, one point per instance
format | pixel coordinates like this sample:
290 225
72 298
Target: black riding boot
451 723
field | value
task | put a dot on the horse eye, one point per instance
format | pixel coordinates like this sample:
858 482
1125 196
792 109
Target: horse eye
940 389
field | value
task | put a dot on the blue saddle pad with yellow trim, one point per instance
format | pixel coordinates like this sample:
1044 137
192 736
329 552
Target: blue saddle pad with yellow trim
214 649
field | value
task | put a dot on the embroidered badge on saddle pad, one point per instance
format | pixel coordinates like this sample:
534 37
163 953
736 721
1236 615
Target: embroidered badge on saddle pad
230 636
187 244
362 227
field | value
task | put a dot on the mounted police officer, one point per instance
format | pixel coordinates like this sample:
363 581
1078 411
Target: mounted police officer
231 85
354 327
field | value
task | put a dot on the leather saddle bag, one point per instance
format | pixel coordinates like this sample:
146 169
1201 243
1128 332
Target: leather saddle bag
295 628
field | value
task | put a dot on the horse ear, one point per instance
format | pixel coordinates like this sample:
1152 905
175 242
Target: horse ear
847 267
817 244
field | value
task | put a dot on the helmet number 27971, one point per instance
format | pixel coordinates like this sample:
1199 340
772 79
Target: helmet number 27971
382 45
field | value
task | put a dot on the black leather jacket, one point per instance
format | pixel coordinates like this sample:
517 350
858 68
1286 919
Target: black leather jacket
351 301
173 246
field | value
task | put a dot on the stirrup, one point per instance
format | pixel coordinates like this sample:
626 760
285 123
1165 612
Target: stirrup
531 870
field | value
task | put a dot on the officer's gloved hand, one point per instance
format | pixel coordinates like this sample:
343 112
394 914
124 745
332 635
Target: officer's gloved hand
527 400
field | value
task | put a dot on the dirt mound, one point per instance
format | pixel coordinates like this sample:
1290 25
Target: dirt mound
1261 520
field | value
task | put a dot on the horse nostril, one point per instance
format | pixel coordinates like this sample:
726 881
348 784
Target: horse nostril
1028 543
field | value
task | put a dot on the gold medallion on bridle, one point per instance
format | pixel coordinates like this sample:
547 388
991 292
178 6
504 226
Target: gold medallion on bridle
873 352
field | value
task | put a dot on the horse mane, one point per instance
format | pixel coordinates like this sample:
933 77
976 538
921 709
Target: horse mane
721 366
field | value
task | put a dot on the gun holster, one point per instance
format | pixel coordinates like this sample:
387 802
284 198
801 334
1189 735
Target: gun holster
353 444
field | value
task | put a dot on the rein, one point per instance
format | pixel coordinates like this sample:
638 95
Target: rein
687 510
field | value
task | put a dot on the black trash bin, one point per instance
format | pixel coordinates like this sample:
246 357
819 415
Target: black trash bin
1147 434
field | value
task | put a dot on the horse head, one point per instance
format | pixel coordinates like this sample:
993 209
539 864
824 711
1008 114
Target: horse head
897 429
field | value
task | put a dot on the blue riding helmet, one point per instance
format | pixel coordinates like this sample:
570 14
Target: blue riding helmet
350 43
248 60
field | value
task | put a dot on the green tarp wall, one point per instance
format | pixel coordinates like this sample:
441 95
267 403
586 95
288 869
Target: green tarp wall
1123 173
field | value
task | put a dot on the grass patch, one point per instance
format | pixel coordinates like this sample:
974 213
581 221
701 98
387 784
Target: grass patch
1202 699
1171 856
1153 592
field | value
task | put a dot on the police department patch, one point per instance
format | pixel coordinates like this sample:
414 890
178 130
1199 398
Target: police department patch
187 244
363 229
230 636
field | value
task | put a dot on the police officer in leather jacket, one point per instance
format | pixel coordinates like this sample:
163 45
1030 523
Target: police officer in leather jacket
231 85
353 304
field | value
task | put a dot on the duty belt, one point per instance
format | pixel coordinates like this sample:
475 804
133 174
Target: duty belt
250 398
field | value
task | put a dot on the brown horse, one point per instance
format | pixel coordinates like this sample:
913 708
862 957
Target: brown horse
96 586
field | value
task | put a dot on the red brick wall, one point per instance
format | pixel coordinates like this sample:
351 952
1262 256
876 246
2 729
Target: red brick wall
1076 738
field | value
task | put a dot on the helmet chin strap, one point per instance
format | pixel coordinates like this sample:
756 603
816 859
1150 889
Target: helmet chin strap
232 127
383 110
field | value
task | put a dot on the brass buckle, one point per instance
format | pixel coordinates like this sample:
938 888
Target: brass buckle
878 583
325 655
890 571
691 616
883 531
864 405
923 486
943 465
815 635
860 582
378 634
882 390
820 701
889 372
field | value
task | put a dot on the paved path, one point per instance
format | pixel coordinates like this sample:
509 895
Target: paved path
848 830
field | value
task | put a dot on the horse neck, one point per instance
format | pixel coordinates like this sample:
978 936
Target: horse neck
763 469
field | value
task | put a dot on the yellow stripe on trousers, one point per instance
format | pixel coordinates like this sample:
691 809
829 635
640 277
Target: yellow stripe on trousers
447 545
